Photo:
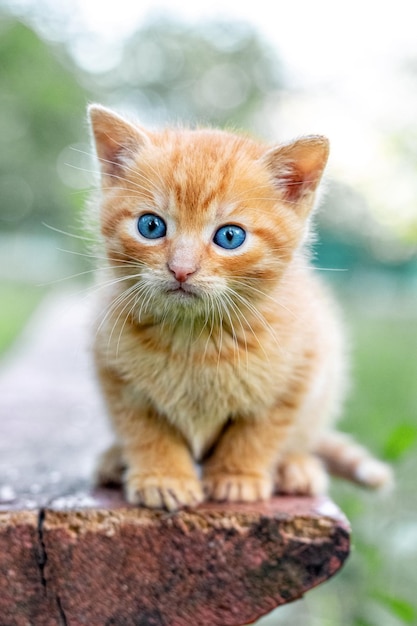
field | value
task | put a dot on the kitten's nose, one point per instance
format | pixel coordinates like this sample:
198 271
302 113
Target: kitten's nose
181 272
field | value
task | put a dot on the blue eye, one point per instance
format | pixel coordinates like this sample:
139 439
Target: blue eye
151 226
229 237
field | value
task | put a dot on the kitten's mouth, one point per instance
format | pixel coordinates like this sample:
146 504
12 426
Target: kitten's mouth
183 290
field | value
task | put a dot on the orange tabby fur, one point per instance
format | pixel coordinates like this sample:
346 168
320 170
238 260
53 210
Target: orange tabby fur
231 358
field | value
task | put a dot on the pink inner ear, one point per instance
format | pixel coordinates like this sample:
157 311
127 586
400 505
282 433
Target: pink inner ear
116 139
297 167
115 156
117 159
292 183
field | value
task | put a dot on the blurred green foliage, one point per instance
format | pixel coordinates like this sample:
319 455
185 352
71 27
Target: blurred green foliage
42 109
17 304
380 579
401 439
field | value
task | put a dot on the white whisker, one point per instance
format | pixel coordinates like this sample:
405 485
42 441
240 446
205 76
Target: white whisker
64 232
257 315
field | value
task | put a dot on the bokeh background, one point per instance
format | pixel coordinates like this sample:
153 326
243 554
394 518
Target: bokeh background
346 70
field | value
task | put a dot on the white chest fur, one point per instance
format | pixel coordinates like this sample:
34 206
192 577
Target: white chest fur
195 383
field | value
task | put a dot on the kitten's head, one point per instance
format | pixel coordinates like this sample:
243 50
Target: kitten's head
196 220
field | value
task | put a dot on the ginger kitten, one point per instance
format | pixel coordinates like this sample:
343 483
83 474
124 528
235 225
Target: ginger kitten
216 343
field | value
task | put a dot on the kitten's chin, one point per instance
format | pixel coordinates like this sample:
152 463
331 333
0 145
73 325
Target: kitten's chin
177 302
183 299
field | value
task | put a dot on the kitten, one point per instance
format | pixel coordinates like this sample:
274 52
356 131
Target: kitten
217 343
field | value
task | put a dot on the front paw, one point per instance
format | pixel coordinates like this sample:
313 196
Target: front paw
163 492
226 487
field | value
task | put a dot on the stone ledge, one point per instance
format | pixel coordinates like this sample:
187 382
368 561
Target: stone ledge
89 558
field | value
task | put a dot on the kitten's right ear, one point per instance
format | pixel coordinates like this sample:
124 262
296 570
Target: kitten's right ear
116 140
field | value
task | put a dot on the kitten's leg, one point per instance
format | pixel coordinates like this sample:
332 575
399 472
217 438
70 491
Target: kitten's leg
110 467
160 472
251 462
244 461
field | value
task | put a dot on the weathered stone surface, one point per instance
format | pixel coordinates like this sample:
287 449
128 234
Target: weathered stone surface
72 556
21 590
91 559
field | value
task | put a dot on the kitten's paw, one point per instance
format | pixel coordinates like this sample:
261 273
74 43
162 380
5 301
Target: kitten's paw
163 492
110 467
301 474
225 487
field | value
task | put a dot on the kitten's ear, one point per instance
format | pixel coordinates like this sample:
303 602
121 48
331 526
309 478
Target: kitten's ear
116 140
297 167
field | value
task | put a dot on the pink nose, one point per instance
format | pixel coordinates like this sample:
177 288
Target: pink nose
181 272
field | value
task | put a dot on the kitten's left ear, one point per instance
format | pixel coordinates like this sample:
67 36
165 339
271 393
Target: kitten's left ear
297 168
116 140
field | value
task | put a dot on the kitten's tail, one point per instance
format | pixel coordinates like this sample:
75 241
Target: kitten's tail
347 459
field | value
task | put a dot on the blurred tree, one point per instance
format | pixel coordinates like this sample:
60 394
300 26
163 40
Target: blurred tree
42 109
209 73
